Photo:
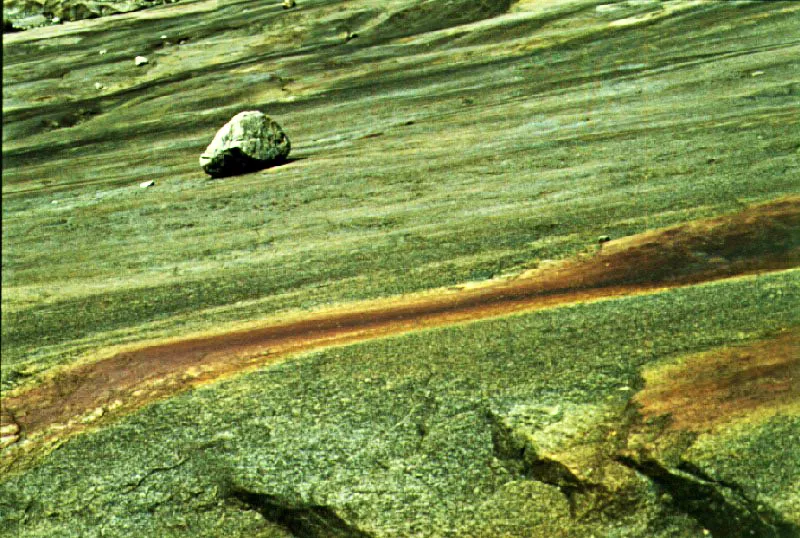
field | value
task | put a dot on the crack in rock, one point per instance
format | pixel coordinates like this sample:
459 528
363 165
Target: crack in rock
302 520
519 454
720 507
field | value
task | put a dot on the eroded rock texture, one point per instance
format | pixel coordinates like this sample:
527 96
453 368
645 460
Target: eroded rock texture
249 141
26 14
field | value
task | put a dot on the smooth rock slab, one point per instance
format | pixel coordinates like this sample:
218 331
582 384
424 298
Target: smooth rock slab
250 141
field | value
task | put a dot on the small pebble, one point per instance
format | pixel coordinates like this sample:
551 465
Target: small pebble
94 415
606 8
140 60
145 184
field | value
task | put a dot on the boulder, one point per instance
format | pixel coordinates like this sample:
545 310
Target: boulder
250 141
55 11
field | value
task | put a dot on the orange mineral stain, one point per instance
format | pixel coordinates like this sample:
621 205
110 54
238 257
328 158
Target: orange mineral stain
759 239
725 384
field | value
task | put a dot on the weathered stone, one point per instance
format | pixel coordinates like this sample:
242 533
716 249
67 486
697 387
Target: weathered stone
32 21
54 11
607 8
8 440
250 141
9 429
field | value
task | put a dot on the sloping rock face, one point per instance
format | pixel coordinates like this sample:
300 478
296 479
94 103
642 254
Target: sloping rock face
249 142
501 431
451 140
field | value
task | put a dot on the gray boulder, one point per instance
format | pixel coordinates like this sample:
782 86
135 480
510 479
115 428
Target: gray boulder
250 141
26 14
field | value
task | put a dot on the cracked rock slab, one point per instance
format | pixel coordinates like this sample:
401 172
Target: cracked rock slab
720 507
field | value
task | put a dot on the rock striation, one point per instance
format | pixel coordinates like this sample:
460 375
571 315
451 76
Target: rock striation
250 141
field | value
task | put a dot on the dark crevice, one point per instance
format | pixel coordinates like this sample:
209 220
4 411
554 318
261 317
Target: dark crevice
720 507
8 27
432 16
302 520
519 456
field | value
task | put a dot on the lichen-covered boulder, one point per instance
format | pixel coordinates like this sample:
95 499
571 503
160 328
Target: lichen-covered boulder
250 141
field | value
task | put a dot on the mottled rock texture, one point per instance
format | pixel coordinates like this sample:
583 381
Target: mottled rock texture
26 14
249 142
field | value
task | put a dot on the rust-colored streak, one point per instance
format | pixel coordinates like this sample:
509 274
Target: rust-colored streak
760 238
725 384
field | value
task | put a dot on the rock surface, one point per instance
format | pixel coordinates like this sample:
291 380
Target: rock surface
26 14
250 141
666 415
